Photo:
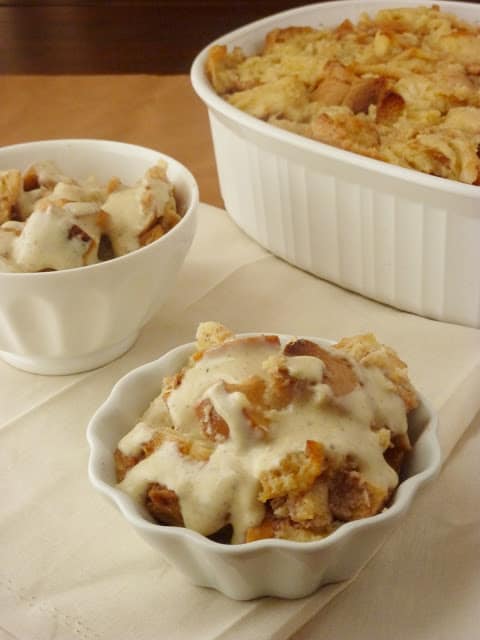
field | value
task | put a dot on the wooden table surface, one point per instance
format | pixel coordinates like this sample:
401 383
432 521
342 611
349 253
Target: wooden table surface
161 112
117 36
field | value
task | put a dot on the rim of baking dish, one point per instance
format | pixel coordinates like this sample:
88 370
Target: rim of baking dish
205 91
101 455
181 169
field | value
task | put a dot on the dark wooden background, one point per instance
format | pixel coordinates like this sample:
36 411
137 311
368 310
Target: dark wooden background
100 36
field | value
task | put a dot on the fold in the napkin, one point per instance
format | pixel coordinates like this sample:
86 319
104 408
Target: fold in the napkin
70 567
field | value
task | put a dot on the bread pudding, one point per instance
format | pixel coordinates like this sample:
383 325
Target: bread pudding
261 437
49 221
402 86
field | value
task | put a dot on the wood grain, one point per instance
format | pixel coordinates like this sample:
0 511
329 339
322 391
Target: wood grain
142 36
161 112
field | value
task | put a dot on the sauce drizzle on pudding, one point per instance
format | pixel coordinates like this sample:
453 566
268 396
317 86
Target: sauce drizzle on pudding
283 440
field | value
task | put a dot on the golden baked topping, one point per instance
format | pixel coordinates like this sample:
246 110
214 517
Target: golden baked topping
402 86
62 223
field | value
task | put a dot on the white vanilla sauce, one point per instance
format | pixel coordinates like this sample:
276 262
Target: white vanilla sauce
233 364
225 488
131 444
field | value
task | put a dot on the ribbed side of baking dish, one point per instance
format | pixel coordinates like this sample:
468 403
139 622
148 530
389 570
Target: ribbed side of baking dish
398 236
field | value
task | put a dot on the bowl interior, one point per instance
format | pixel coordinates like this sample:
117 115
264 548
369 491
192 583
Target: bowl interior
131 396
102 159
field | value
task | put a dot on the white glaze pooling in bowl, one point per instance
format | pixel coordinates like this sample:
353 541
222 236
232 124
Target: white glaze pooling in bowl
266 567
392 234
77 319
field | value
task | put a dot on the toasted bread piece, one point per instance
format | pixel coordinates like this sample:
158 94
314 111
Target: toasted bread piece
163 505
351 497
339 373
297 471
210 334
10 189
370 353
343 129
213 425
363 93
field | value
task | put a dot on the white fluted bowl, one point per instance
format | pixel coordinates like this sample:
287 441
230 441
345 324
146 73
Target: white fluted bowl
265 567
68 321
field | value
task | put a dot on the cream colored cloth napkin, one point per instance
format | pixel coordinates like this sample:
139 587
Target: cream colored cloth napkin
70 566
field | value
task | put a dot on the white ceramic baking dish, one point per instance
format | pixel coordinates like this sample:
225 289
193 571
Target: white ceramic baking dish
271 567
396 235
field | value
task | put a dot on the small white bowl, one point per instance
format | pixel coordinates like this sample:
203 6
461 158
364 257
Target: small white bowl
273 567
68 321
